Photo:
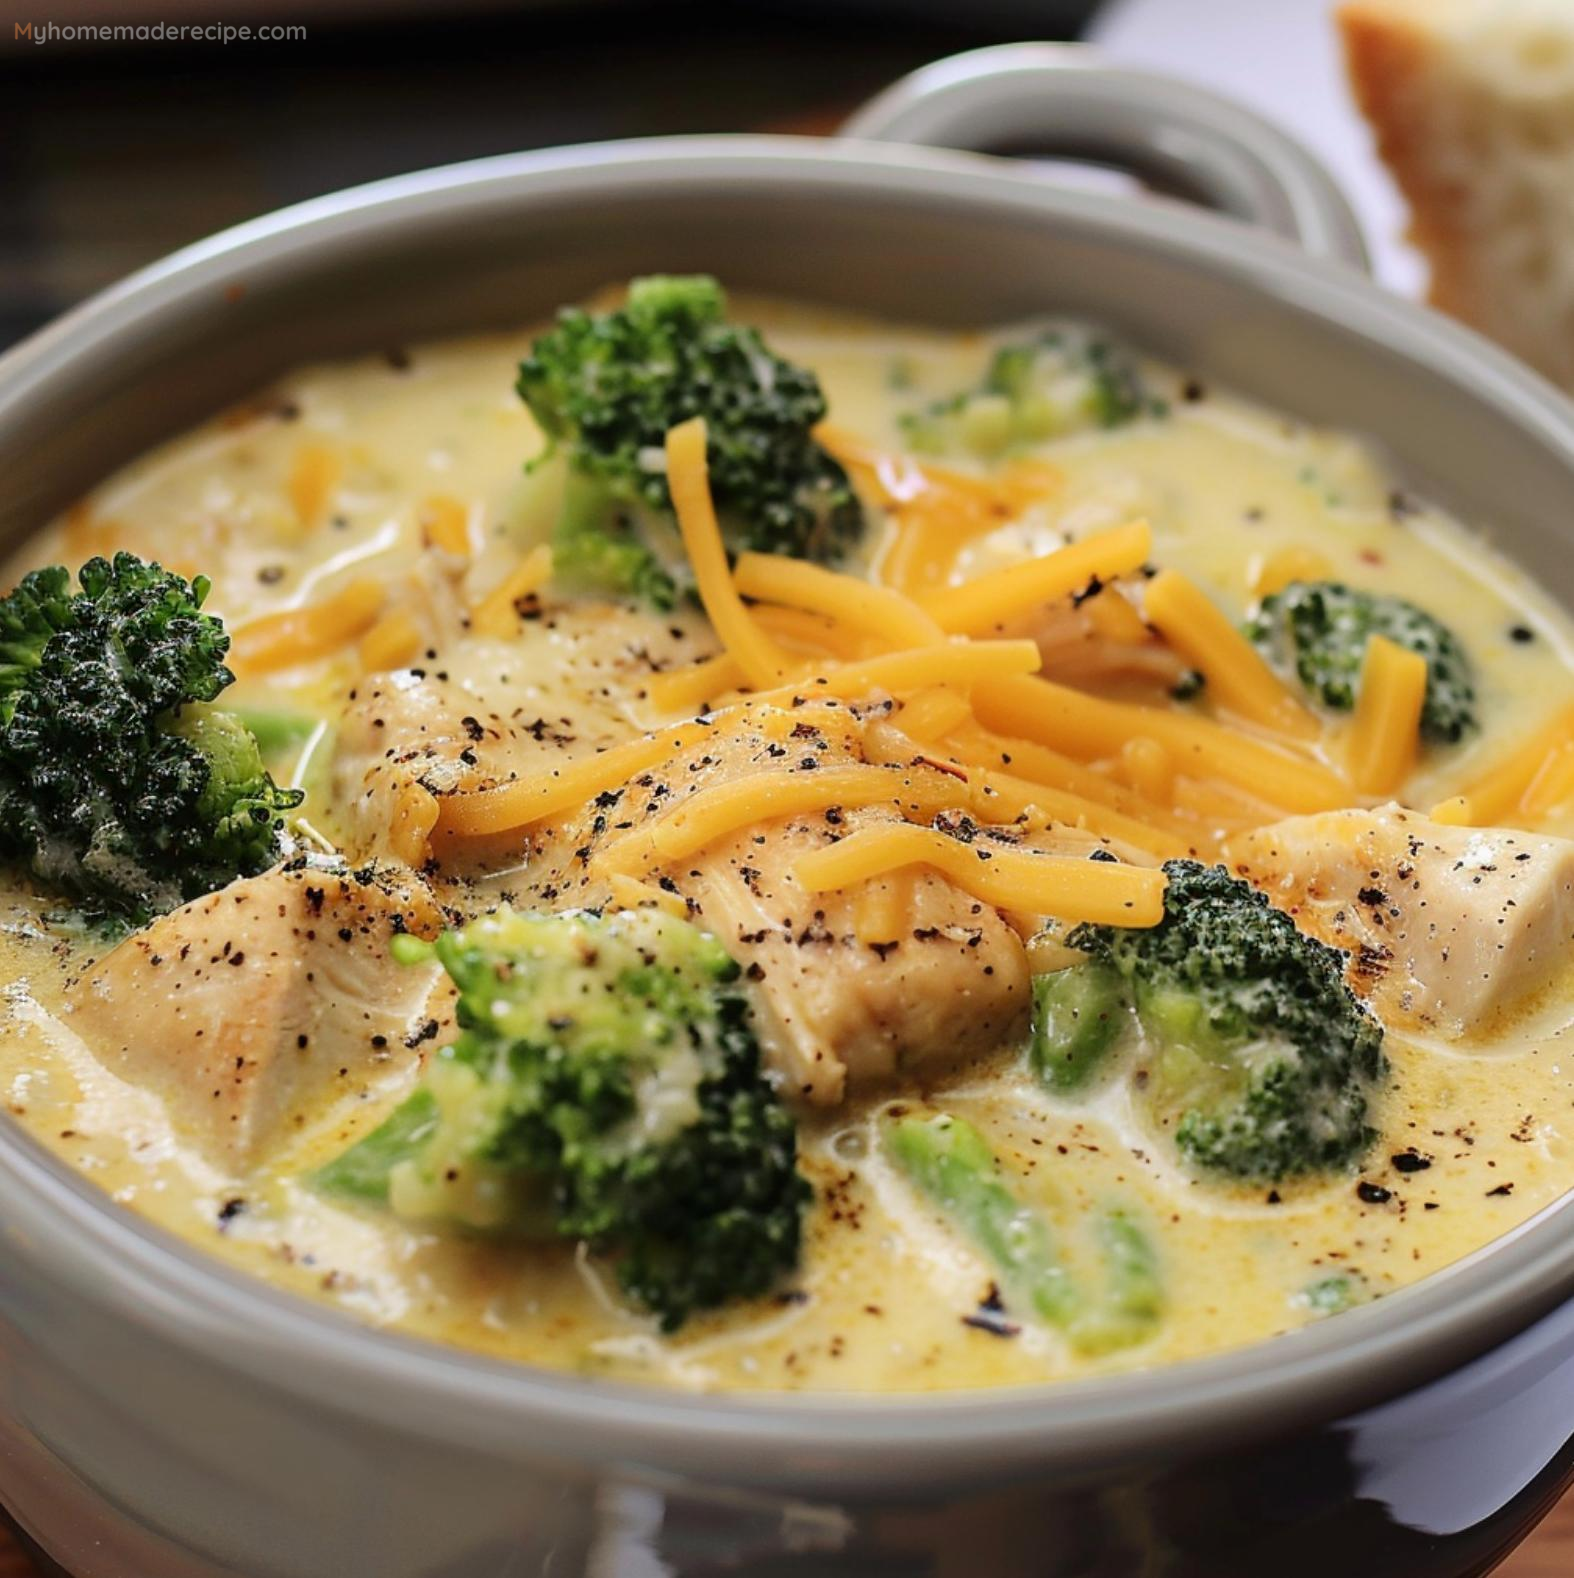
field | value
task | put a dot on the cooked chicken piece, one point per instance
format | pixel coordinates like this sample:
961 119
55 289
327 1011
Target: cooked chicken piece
844 1013
246 1009
840 1012
485 710
1446 927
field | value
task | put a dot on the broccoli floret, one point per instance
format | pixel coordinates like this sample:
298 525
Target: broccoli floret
121 786
1320 629
1262 1061
1065 379
605 1086
608 387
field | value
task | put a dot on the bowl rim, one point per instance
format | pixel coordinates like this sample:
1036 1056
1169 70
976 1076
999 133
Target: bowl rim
1317 1373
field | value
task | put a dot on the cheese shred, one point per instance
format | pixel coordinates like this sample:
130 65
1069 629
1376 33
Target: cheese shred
1238 680
1071 888
1092 728
994 600
498 613
845 599
1385 734
1500 792
714 813
762 661
301 635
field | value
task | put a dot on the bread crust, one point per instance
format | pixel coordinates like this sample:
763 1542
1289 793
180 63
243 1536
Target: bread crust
1389 57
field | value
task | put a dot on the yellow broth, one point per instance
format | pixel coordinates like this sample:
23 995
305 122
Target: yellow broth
331 475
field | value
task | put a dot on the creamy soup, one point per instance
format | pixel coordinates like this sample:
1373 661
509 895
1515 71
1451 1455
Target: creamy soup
403 645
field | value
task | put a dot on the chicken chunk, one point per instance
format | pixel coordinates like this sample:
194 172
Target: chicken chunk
1447 928
843 1013
483 711
246 1010
839 1012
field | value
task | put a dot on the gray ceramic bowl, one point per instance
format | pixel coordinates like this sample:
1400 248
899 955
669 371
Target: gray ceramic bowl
161 1417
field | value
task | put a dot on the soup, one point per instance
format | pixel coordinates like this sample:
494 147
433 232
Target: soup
850 904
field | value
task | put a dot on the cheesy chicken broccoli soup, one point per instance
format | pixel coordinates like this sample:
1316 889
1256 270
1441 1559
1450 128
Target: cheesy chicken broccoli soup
725 844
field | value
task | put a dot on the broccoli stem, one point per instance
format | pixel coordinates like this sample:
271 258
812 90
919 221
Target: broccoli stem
362 1172
594 545
276 730
1131 1302
1078 1015
950 1163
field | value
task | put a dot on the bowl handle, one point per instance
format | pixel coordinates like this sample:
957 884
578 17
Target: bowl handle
1065 100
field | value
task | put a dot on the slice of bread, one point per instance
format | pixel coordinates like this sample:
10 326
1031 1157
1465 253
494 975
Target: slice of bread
1472 102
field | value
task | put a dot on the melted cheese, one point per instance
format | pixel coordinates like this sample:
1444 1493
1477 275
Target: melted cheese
1074 889
996 598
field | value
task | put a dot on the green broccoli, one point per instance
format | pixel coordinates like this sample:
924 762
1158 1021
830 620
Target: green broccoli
605 1086
1320 630
950 1163
121 786
1332 1295
1078 1016
1257 1056
608 387
277 731
1065 379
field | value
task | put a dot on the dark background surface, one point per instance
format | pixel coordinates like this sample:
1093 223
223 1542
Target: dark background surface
111 155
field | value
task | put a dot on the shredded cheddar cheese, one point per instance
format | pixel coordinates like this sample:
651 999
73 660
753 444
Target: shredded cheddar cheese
811 633
1040 764
445 525
314 474
1498 793
1112 616
684 689
1553 784
497 614
880 909
975 728
762 661
525 800
997 796
628 893
992 601
712 814
392 642
1148 768
1238 679
950 663
301 635
844 599
1281 569
415 817
934 510
1456 811
1091 728
1386 731
933 714
1068 887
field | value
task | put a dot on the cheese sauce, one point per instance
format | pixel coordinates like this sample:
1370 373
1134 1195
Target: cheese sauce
340 471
